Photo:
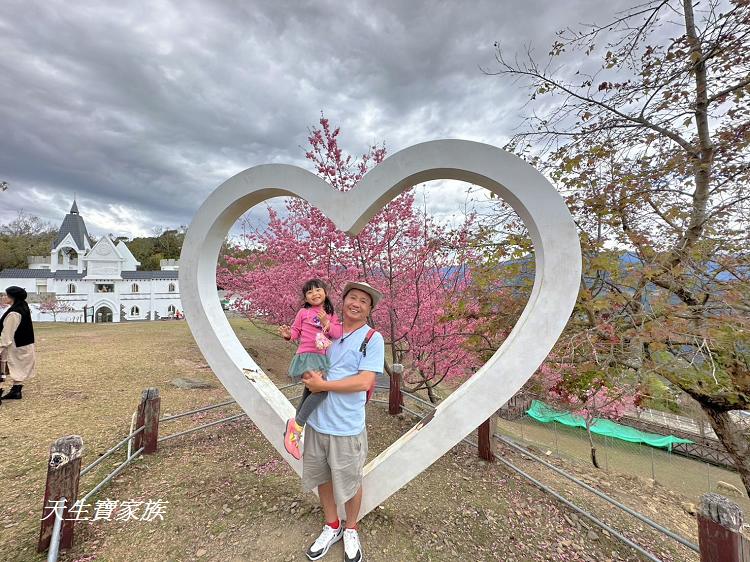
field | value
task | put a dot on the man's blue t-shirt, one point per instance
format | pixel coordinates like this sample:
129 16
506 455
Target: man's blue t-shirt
343 413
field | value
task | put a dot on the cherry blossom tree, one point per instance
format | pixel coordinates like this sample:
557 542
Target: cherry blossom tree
418 264
646 132
50 304
588 392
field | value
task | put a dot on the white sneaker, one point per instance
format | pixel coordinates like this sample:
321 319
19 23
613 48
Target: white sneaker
327 537
352 548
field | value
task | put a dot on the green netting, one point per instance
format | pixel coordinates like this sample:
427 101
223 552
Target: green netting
541 412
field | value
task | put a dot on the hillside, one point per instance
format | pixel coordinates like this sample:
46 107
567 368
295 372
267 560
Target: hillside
231 497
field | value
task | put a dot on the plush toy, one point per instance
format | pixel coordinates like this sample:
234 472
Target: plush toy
321 341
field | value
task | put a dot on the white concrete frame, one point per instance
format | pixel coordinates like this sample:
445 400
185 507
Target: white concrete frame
556 283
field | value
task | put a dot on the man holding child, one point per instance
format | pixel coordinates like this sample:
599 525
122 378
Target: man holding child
336 437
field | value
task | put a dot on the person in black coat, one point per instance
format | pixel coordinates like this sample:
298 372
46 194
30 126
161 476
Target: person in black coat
17 352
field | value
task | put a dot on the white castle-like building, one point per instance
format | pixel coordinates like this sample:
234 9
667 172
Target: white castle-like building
94 283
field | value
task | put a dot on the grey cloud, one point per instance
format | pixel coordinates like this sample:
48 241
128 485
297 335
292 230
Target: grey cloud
148 106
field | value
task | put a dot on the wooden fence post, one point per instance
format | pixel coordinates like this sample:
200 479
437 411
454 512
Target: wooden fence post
719 524
395 399
148 417
63 472
485 434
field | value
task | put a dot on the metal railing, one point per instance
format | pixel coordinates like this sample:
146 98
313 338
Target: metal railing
598 522
126 439
204 426
54 545
659 528
111 475
680 539
56 535
212 407
131 457
118 469
506 440
196 411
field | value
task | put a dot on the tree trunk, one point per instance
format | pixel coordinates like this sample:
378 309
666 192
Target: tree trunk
431 392
591 444
735 439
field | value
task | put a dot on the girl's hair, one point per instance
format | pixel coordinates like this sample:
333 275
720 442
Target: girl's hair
317 284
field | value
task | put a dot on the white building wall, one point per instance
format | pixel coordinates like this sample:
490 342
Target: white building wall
152 296
108 269
140 298
161 298
28 283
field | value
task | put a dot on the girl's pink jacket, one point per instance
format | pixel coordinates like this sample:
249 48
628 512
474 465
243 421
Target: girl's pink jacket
307 325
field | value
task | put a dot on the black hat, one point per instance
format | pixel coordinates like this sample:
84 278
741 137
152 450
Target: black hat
16 293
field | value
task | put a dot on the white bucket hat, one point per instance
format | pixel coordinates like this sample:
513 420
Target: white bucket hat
375 295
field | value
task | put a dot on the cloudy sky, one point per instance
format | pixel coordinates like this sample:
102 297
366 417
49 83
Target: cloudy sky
140 109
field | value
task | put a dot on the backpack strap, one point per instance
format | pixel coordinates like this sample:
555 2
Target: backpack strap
363 350
363 347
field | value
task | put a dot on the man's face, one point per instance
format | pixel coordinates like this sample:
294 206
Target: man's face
357 305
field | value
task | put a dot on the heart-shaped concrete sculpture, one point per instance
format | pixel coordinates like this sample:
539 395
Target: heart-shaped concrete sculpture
557 278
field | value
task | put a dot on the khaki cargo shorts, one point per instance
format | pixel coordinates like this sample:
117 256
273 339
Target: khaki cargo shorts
334 458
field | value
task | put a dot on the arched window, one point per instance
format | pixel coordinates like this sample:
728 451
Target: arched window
71 287
171 310
172 288
134 288
135 311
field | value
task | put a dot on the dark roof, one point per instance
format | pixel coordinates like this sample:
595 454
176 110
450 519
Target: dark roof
74 208
72 224
150 274
69 274
26 273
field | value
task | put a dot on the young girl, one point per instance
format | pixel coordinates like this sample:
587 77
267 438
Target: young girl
314 324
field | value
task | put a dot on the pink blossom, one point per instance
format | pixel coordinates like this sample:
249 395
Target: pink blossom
418 265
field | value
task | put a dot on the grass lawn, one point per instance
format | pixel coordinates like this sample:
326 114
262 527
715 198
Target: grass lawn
230 496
